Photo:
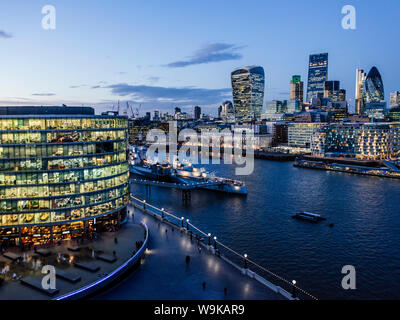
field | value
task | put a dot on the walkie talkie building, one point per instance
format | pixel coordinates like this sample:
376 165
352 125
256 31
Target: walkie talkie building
248 92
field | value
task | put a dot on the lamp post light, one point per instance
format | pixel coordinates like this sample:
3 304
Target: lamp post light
209 239
215 243
182 221
144 204
245 261
187 224
294 289
162 213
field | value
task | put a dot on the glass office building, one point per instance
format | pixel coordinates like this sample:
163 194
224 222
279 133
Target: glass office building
248 92
362 141
63 172
373 90
317 75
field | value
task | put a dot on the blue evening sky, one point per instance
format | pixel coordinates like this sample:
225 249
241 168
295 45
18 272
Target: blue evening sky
167 53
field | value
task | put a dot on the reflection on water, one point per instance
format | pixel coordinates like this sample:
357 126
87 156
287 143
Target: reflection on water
364 210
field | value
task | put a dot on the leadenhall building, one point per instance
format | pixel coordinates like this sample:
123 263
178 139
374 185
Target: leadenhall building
63 173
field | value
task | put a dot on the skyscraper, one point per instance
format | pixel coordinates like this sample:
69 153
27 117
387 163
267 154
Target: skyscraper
248 92
360 80
197 112
317 75
373 90
296 89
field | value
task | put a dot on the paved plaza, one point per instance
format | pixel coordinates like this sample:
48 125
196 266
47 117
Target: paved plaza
164 273
95 258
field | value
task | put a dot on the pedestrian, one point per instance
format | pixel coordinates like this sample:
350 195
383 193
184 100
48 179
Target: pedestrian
114 253
187 259
225 291
115 240
204 285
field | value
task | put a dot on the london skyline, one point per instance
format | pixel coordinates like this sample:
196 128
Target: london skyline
93 58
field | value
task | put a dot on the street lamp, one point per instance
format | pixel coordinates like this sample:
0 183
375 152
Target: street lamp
182 221
215 243
187 224
245 261
294 289
144 204
162 213
209 239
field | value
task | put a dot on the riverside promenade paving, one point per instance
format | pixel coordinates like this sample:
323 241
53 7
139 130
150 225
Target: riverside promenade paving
164 274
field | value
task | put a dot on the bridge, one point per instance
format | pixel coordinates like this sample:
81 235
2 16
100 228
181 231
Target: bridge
185 187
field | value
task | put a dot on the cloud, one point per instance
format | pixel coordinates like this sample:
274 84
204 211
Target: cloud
153 79
5 35
78 86
43 94
177 95
213 52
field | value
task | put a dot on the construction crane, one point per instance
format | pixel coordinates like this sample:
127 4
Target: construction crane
137 111
128 106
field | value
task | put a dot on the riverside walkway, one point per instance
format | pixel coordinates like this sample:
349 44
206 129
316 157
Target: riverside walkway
164 273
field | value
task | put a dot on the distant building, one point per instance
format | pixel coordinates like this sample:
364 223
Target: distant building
156 116
394 99
317 75
300 134
293 106
394 114
376 111
177 110
296 89
197 112
227 112
248 92
355 140
361 76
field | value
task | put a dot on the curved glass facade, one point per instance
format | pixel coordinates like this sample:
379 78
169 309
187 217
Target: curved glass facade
373 87
61 176
248 92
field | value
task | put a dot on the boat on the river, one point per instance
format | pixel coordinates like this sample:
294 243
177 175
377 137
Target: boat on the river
308 216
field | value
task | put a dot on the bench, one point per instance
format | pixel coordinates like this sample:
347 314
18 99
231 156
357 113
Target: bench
107 258
12 256
36 283
87 266
68 276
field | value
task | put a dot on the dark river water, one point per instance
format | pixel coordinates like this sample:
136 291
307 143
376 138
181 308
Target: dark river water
366 233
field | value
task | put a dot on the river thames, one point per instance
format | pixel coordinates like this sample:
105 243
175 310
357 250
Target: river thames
365 212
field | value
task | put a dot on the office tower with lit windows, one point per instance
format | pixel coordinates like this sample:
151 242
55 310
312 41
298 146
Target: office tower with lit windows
317 75
373 90
373 95
296 89
360 80
331 90
63 173
248 92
